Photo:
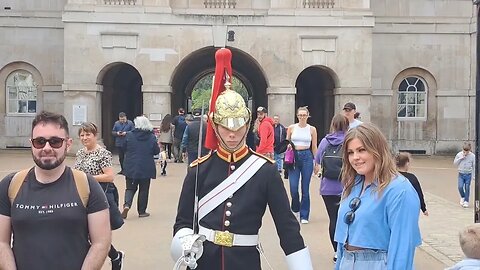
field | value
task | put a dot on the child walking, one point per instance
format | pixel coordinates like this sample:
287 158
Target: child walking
162 159
465 162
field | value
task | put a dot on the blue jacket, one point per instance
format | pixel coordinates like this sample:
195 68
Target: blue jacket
118 126
279 134
388 222
140 146
180 125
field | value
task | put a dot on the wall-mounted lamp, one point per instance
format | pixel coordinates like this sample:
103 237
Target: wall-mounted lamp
231 35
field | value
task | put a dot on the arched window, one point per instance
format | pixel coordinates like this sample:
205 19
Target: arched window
412 96
21 93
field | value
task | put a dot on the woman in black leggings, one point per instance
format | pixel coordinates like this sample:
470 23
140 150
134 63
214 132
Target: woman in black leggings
331 187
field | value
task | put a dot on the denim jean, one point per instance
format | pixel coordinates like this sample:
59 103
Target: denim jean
464 180
177 154
363 259
279 160
143 186
303 168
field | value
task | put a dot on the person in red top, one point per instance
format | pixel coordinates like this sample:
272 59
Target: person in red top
265 133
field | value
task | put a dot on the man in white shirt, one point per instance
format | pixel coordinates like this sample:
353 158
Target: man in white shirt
349 110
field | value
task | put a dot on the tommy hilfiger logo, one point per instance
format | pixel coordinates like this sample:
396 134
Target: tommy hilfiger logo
46 209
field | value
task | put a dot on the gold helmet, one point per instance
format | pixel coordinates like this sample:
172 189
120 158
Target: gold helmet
230 110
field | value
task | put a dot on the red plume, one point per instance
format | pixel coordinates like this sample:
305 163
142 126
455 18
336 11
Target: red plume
223 66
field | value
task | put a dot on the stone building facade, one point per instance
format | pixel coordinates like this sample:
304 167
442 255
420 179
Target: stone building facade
409 65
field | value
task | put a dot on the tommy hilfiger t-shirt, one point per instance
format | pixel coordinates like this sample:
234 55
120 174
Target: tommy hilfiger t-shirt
49 221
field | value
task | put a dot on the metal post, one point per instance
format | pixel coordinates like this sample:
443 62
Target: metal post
477 119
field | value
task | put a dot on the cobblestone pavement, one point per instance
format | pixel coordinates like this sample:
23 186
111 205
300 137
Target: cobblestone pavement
440 229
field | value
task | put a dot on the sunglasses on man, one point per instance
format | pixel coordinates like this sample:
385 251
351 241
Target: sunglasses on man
54 142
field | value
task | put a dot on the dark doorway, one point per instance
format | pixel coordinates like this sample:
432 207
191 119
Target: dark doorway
202 62
315 89
122 92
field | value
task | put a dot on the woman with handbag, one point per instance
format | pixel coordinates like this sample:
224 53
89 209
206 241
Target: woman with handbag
304 138
97 161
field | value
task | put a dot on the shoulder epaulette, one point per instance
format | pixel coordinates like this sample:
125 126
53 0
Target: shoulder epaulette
263 156
200 160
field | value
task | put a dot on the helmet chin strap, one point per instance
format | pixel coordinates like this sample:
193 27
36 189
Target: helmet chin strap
225 146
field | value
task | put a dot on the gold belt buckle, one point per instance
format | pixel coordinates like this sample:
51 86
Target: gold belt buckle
223 238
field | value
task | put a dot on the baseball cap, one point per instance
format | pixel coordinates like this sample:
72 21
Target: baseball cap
262 109
349 106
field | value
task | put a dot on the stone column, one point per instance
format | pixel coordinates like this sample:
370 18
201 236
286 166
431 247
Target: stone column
281 102
156 102
88 96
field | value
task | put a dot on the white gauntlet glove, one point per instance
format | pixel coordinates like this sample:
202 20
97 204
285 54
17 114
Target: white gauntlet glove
187 248
300 260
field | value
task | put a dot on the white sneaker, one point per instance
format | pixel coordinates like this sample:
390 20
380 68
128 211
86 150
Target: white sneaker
462 200
304 221
465 205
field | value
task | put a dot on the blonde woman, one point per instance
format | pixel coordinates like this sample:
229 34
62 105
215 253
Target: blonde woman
377 226
304 140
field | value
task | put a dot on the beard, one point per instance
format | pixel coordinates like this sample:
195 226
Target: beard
50 164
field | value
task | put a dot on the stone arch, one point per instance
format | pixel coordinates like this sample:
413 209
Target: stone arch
417 135
315 88
201 62
121 85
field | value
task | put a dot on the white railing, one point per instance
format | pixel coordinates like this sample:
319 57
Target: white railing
120 2
318 3
220 3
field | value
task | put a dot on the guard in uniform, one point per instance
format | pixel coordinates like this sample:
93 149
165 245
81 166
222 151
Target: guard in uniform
234 186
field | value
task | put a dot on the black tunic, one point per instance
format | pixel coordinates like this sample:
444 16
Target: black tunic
246 207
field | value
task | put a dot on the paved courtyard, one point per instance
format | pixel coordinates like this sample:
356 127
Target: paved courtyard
146 242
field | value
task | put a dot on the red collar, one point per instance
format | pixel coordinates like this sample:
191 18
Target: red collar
232 157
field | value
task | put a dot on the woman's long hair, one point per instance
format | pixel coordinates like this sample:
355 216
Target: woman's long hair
376 144
165 126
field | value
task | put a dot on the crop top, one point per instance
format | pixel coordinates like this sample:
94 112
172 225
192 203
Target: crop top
301 136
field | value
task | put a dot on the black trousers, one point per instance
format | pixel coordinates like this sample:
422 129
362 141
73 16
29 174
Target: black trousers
143 186
121 156
163 167
332 203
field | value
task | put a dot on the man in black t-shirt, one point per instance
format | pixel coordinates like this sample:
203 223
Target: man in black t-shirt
51 227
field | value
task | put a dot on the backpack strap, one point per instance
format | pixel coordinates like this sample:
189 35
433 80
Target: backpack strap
83 188
16 184
80 178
